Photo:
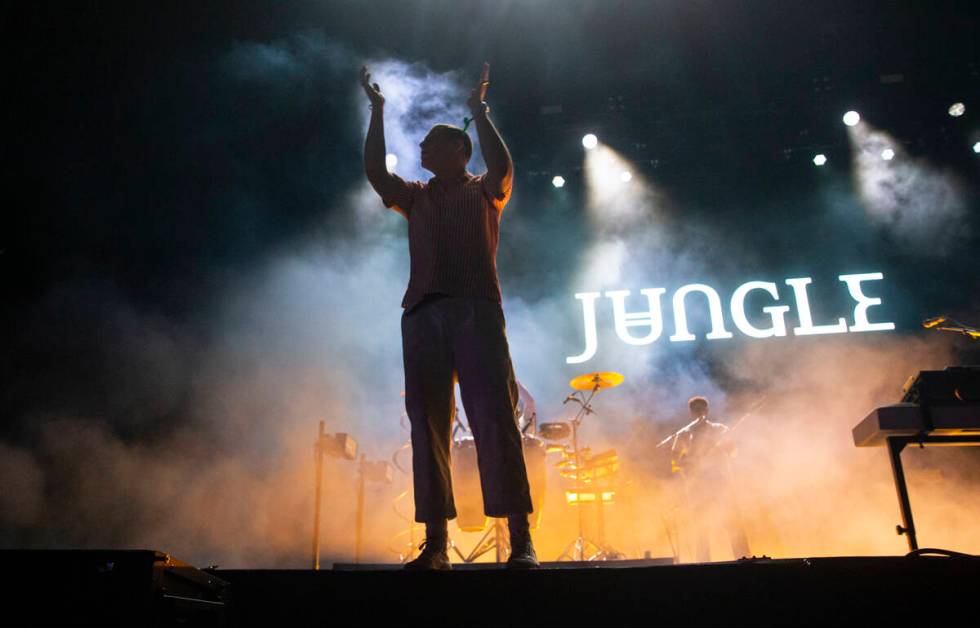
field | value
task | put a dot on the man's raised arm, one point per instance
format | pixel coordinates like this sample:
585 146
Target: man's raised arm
500 167
390 188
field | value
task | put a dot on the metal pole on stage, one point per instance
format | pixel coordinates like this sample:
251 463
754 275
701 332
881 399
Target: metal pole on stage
895 447
359 520
318 459
579 542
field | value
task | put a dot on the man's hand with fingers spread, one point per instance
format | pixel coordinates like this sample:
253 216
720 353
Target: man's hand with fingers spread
373 91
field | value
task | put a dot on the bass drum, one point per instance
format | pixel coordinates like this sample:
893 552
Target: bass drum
468 494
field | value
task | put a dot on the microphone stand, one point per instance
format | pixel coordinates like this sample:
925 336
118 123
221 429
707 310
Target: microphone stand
956 327
580 542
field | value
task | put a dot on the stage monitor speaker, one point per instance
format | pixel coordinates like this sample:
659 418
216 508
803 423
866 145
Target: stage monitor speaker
111 588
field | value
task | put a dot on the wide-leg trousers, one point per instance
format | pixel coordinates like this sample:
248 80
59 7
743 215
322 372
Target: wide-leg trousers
443 336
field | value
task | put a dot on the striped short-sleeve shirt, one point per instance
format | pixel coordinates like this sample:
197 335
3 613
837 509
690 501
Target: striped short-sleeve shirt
453 231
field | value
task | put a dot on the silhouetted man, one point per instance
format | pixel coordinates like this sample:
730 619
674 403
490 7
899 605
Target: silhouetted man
699 452
453 323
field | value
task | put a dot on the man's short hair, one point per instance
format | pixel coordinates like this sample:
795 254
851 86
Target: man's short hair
456 133
697 401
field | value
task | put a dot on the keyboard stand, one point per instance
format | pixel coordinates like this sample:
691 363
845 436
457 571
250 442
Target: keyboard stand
895 446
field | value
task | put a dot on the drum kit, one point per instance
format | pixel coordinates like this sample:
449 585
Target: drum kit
591 477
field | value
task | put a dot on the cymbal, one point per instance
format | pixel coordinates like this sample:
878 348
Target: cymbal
605 379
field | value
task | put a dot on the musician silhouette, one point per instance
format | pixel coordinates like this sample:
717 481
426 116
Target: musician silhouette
700 453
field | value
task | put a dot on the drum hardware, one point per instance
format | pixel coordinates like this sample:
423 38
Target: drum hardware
595 473
593 468
577 465
495 538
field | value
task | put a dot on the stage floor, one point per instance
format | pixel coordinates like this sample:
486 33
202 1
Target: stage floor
761 591
146 587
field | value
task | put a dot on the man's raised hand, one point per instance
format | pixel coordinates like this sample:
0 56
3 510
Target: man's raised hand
479 93
373 91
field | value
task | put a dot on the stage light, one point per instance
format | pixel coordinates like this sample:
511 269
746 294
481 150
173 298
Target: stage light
957 109
914 201
820 159
391 160
976 147
558 181
851 118
888 154
376 471
339 445
616 195
590 141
